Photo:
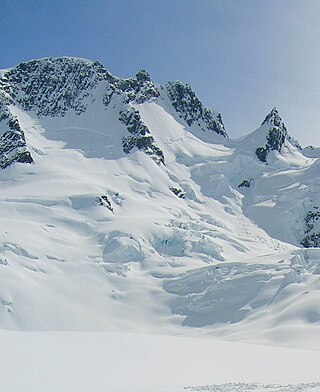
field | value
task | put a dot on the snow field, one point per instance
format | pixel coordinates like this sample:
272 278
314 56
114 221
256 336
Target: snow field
121 362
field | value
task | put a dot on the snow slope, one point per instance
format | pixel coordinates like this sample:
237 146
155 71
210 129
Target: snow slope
87 362
135 212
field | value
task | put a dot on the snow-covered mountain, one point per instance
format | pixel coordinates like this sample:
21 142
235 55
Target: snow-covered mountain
125 206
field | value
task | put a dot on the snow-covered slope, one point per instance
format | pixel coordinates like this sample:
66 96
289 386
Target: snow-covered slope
124 206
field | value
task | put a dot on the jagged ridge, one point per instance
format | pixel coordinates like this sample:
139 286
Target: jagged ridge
190 108
52 86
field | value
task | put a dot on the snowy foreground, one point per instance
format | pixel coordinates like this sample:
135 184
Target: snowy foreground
123 362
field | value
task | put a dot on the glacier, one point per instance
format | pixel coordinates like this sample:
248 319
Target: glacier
127 207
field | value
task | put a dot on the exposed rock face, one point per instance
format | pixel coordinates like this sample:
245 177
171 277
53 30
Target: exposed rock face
312 229
52 86
137 90
140 89
190 108
13 147
276 136
140 136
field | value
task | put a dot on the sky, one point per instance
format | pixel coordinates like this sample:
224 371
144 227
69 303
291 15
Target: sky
241 57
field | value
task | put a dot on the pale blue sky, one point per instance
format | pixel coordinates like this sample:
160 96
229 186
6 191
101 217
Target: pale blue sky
242 57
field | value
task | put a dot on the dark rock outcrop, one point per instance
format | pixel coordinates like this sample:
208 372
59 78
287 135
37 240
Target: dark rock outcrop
190 108
245 183
105 202
52 86
178 192
140 136
276 137
13 147
312 233
139 89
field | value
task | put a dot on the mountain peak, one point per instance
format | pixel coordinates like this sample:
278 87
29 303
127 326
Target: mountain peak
143 76
276 136
273 118
52 86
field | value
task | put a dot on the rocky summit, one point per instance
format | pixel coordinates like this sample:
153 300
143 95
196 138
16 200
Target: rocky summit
126 206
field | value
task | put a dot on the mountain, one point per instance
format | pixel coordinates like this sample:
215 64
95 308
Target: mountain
125 206
277 137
